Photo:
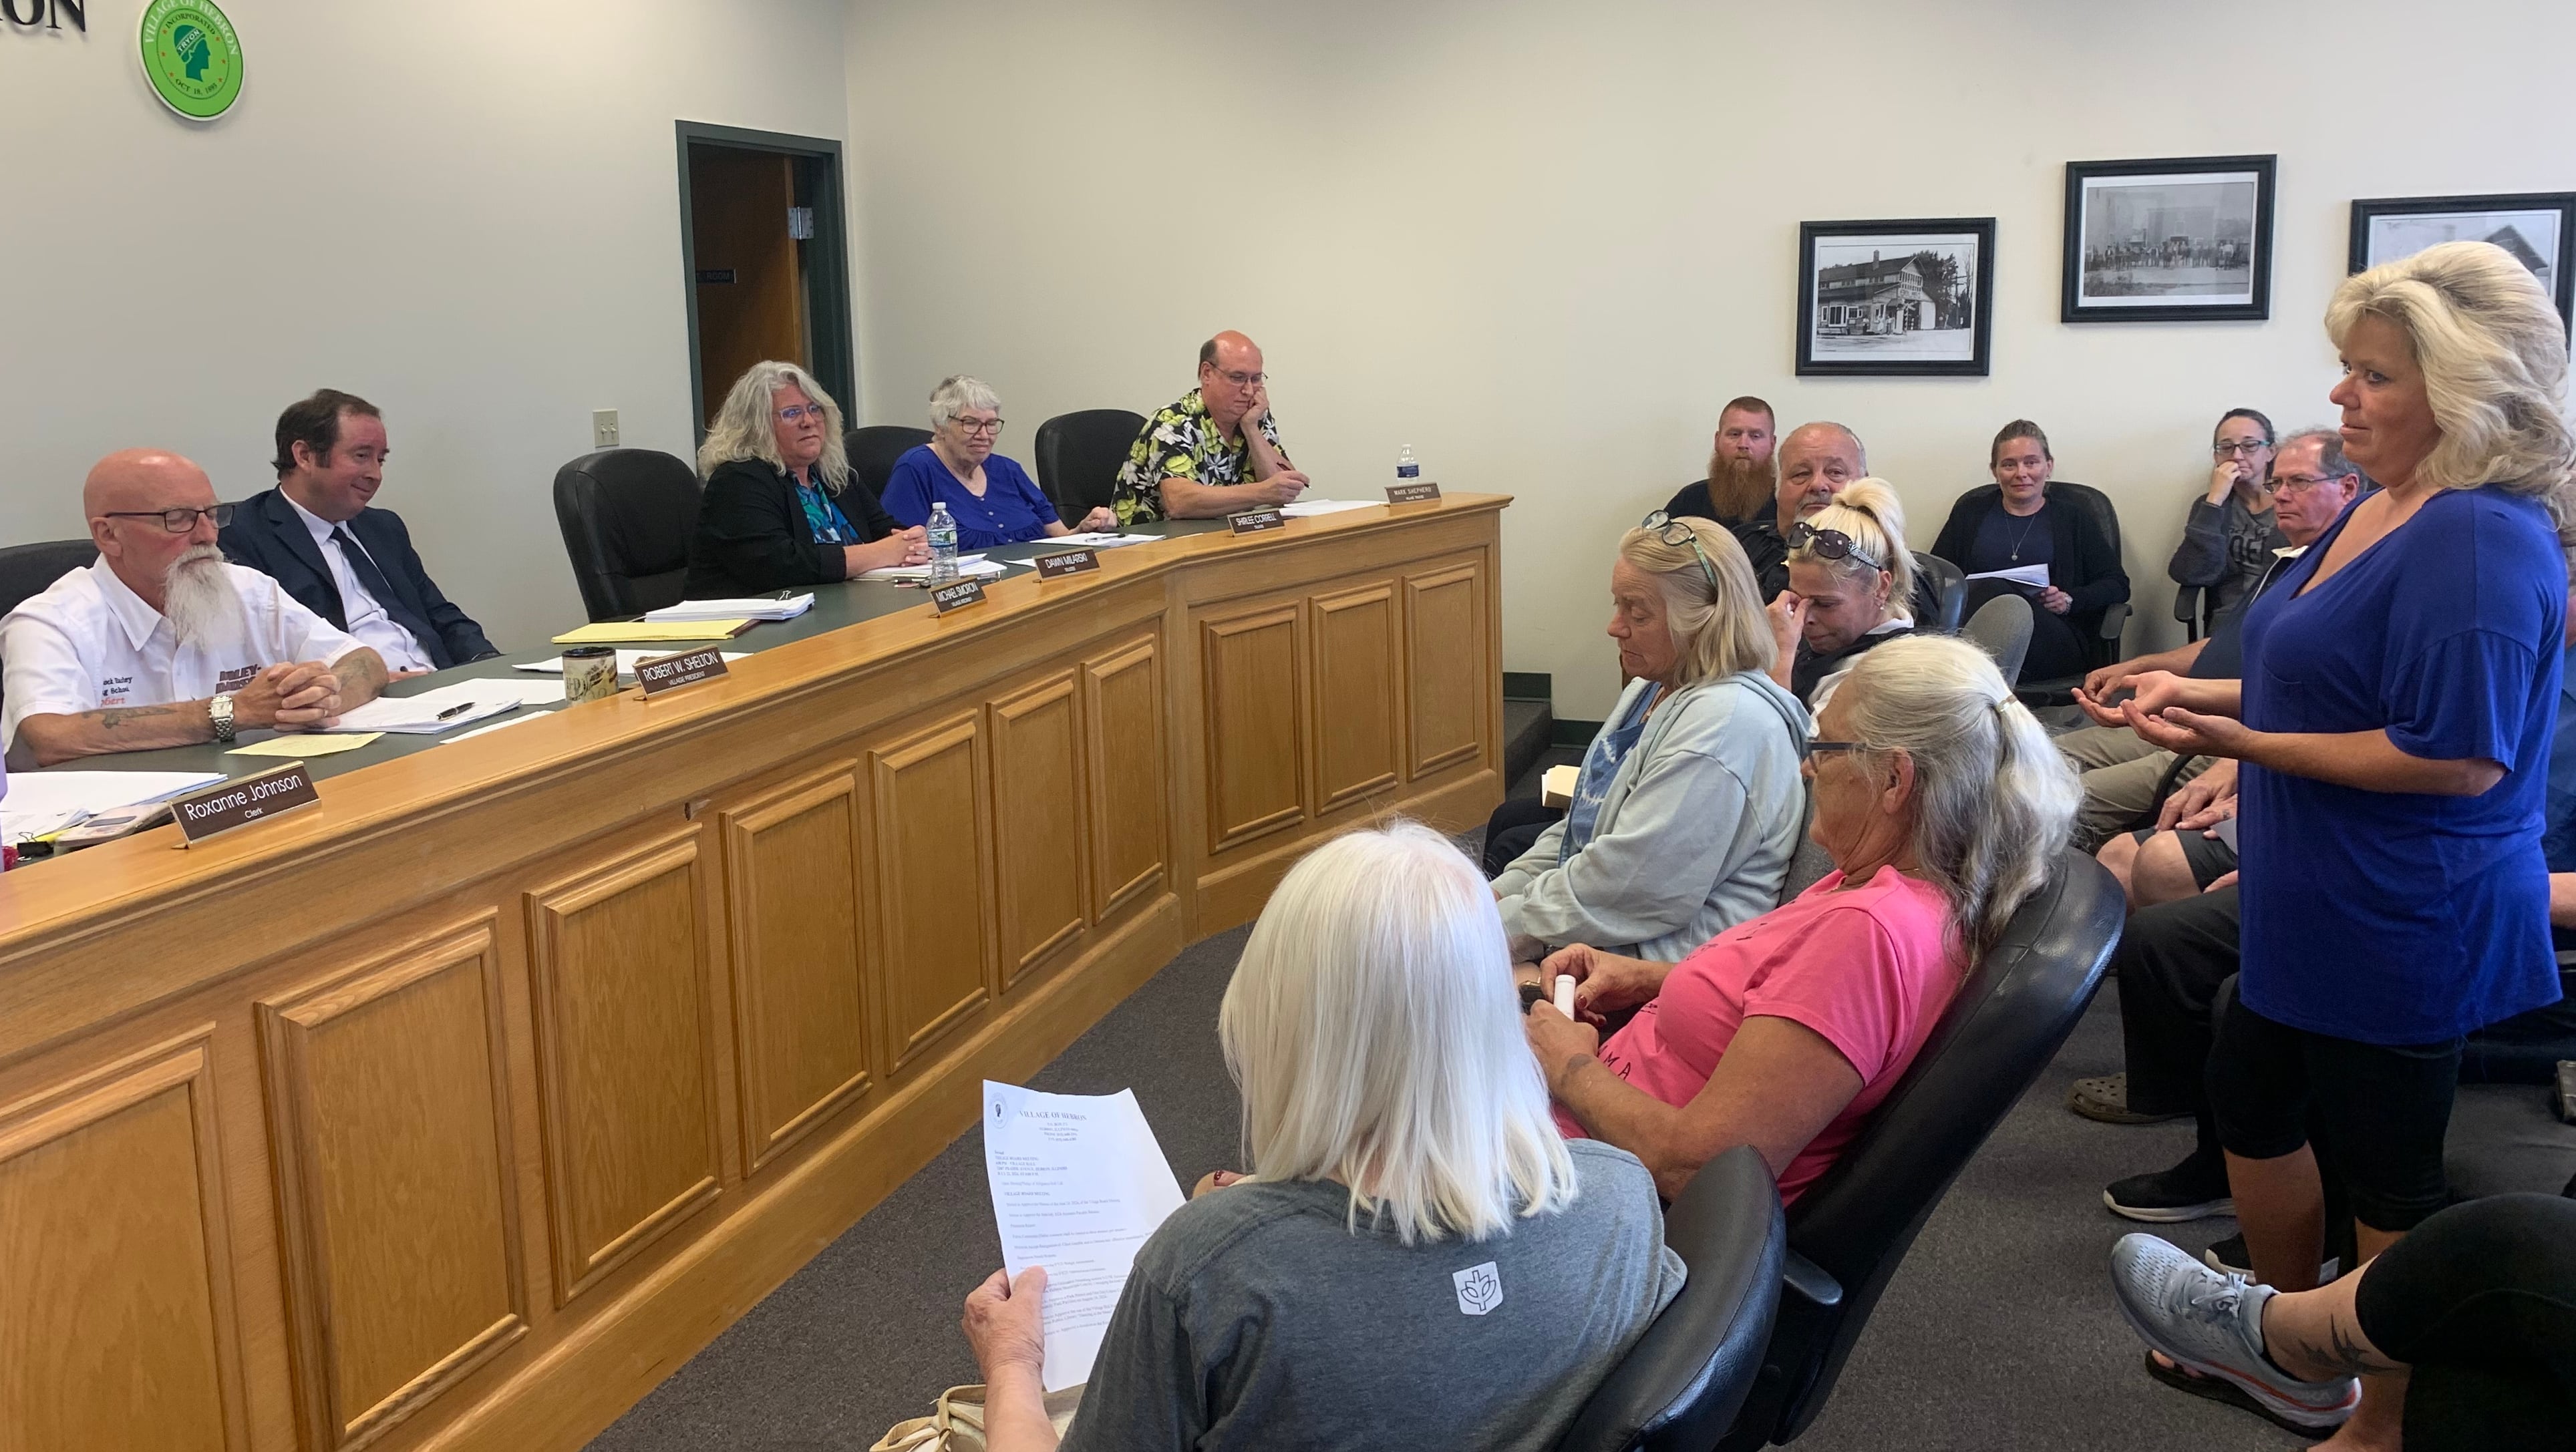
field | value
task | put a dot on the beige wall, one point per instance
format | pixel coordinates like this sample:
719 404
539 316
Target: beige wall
1542 242
470 216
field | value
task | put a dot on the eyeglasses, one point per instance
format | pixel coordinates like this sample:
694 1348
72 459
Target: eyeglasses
799 412
1674 532
1244 380
1832 544
178 521
2299 483
1828 748
977 425
2253 446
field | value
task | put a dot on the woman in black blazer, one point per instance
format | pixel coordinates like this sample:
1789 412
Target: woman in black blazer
2013 525
777 513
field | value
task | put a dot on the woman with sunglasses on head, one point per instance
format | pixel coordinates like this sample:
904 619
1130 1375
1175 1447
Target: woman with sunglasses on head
2013 524
778 512
992 498
1942 806
1686 811
1851 579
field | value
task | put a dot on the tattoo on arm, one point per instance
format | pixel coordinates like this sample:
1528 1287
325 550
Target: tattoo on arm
109 720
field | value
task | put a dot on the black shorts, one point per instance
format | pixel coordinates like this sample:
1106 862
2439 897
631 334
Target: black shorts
2379 1110
2209 858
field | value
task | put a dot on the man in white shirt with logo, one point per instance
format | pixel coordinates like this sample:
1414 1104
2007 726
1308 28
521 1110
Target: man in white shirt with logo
162 643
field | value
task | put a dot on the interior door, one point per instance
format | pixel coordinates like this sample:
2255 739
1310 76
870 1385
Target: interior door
750 284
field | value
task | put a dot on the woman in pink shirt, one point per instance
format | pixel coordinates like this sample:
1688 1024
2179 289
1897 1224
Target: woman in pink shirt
1942 805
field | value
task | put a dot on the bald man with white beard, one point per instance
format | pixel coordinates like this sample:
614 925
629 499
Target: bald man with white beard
161 642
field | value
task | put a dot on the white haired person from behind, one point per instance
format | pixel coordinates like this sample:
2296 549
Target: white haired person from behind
1417 1259
162 643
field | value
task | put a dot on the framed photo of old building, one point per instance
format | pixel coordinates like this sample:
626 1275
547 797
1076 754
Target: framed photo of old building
2180 239
2538 228
1896 299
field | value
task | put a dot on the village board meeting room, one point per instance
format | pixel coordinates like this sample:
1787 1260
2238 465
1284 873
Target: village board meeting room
873 724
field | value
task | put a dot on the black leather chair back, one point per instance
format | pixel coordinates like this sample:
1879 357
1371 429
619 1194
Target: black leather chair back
1948 587
1850 1231
874 449
626 516
1683 1382
27 570
1079 455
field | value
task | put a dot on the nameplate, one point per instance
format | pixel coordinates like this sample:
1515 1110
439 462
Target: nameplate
1254 521
1421 491
242 801
1067 562
670 672
957 596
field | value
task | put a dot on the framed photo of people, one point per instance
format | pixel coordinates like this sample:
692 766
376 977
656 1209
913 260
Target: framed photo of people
2179 239
2538 228
1896 299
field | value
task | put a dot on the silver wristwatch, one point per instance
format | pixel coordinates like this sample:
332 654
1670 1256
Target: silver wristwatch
220 710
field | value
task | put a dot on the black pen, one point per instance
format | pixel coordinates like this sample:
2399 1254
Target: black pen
457 710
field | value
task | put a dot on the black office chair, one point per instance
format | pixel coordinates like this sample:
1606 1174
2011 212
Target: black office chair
1850 1231
626 516
1942 583
27 570
874 449
2192 606
1079 455
2102 637
1682 1383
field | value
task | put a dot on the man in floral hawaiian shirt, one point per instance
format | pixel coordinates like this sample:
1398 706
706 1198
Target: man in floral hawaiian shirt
1216 452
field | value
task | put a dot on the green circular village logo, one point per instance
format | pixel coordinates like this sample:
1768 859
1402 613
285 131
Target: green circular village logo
192 57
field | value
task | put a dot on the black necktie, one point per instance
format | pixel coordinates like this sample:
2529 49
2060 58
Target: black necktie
373 579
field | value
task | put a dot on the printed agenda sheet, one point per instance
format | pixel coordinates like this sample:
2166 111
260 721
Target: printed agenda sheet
1078 1183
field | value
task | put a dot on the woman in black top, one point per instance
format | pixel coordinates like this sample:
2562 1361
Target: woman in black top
2014 525
777 512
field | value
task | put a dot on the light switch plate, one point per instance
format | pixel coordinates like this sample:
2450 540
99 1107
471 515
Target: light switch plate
603 428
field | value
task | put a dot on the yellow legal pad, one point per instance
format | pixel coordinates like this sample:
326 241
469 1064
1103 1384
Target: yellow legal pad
297 747
625 632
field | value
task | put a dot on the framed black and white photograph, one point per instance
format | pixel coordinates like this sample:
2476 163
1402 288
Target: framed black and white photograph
1897 299
2181 239
2538 228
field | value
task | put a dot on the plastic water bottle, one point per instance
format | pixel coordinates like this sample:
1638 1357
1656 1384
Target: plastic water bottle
1406 468
943 545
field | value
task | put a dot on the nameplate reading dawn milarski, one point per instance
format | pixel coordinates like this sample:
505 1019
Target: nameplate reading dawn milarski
242 801
1253 521
957 596
1422 492
670 672
1067 562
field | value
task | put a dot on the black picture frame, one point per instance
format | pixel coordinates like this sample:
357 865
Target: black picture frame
1891 342
2173 276
2559 279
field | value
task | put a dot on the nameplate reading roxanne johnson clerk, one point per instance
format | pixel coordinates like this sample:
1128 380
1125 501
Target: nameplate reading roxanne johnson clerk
242 801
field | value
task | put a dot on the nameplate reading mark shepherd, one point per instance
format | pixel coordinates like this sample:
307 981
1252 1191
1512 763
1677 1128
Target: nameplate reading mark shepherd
1253 521
1067 562
670 672
1420 492
242 801
957 596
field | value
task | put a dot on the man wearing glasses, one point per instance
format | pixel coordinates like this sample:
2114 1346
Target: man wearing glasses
161 642
1216 451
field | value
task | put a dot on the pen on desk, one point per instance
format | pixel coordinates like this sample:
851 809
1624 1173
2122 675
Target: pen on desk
458 709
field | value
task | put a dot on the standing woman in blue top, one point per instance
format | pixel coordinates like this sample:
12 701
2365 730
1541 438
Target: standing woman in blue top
2394 716
992 499
778 512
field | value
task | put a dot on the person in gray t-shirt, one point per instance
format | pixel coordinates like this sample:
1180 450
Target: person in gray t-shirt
2229 536
1473 1297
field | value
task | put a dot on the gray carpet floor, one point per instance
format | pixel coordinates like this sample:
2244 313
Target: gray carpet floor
1998 1332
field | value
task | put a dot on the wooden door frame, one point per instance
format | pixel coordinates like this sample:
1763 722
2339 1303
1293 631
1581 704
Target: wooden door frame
827 274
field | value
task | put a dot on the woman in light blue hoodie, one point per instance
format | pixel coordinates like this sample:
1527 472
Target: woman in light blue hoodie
1689 803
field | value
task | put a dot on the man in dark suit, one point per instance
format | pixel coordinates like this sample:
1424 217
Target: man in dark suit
353 565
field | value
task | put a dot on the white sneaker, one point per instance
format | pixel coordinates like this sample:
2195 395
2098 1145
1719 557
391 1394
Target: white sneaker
2212 1324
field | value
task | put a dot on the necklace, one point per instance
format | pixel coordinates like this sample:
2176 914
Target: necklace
2023 538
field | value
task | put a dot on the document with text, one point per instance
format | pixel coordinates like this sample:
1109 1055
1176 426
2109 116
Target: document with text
1078 1184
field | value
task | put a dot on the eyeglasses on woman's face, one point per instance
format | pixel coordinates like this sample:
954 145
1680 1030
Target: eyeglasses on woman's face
1671 531
988 427
2228 449
796 413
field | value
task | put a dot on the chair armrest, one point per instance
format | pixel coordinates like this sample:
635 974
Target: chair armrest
2115 618
1810 1282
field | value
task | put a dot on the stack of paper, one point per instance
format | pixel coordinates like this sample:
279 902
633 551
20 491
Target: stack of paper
620 632
1098 540
1305 507
1078 1184
432 712
40 802
781 606
969 567
626 660
2030 576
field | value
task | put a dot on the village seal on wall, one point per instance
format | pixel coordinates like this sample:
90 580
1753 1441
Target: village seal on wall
192 57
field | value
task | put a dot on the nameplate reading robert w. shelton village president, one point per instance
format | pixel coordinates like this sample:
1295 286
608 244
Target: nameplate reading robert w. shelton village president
242 801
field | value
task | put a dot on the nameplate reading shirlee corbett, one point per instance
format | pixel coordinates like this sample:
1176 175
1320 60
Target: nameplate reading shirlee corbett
242 801
1253 521
670 672
1067 562
1421 492
957 596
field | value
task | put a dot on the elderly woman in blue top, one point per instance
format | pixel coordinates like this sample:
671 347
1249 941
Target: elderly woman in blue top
992 499
1686 811
2394 718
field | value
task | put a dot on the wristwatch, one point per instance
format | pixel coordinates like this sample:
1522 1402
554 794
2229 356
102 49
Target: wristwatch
220 711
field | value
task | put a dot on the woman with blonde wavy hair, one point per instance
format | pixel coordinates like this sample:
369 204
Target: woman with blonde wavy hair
2394 716
777 512
1406 1181
1851 583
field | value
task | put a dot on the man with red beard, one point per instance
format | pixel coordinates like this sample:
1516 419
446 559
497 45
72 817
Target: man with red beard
162 643
1740 480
